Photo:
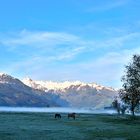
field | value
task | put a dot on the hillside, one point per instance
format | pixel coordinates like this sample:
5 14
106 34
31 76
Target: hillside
28 92
76 94
14 93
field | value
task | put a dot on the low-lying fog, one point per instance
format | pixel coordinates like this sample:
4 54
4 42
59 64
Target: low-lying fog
56 109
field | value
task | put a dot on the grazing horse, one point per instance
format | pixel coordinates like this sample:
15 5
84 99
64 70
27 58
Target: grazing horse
72 115
58 116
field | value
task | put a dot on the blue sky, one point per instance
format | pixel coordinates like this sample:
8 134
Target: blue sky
58 40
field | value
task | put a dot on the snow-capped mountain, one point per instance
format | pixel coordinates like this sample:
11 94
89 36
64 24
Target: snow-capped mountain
61 86
15 93
76 94
28 92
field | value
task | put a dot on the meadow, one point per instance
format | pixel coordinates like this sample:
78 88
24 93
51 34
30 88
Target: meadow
43 126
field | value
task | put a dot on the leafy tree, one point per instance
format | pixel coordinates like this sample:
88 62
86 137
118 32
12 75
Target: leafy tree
130 93
116 105
123 109
119 107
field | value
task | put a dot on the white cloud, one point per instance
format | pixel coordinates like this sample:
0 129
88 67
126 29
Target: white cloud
60 41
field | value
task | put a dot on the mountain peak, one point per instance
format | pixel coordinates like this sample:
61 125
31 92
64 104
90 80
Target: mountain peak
3 74
27 79
5 78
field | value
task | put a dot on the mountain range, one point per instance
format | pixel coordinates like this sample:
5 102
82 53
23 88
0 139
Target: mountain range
28 93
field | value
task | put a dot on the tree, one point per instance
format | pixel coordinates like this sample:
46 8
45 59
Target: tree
123 109
130 93
116 105
119 107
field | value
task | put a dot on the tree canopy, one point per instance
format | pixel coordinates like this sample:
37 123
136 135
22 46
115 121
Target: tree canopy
130 93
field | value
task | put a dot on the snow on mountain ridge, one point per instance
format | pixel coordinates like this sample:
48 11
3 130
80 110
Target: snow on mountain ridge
49 85
5 78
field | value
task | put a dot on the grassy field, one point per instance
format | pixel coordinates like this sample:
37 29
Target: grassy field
43 126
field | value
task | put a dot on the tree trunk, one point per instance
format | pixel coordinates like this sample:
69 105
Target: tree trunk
133 112
118 111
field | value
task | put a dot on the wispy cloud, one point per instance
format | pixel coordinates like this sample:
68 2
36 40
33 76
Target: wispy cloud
37 39
55 46
58 45
108 5
60 55
60 41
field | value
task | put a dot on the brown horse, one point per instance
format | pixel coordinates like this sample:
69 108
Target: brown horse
71 115
58 116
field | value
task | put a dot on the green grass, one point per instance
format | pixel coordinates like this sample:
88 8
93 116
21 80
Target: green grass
43 126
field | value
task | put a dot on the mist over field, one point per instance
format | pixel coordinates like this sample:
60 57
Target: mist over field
57 110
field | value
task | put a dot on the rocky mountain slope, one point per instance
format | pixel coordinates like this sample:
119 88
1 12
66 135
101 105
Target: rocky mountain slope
14 93
27 92
76 94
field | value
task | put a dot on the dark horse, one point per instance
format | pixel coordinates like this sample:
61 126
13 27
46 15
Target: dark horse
71 115
58 116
